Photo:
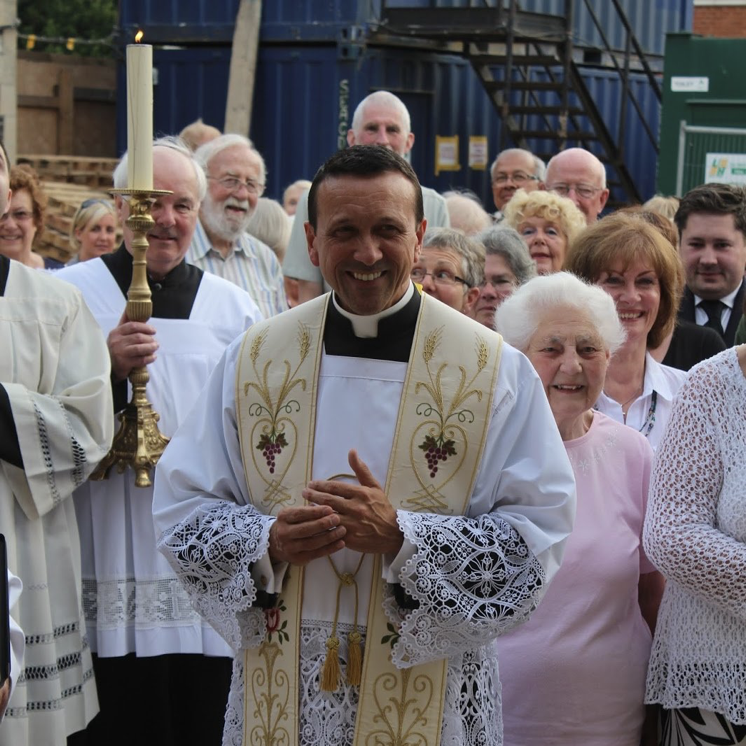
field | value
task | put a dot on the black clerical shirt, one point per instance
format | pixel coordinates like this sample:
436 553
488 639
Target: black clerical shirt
172 298
394 340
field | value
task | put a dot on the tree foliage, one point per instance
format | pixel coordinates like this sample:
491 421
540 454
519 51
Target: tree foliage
79 19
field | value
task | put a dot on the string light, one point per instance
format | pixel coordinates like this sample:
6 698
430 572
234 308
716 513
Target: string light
69 42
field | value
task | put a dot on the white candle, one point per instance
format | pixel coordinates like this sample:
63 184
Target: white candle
140 116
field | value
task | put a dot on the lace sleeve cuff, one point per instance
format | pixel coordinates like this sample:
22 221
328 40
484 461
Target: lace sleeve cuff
473 578
214 552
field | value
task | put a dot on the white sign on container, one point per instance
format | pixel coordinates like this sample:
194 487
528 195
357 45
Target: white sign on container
689 84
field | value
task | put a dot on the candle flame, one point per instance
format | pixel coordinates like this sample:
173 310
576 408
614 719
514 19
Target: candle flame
138 37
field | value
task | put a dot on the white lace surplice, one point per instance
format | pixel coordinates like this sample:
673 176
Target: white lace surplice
695 533
474 576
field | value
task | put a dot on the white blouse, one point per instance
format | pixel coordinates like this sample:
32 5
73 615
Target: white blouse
650 412
695 533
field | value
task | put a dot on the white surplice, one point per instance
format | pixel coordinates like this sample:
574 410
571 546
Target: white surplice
132 599
55 367
499 557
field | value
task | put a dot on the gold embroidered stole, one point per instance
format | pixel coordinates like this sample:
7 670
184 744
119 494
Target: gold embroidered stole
441 429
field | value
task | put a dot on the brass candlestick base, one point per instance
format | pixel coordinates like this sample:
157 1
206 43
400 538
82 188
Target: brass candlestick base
138 443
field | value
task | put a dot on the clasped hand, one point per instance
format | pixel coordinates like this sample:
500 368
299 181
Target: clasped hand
356 516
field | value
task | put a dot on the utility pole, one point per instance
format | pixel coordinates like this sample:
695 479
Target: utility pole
8 75
243 67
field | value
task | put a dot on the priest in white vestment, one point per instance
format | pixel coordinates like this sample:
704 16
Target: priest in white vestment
295 574
56 424
151 647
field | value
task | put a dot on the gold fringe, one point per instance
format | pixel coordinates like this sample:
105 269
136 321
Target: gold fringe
355 658
331 672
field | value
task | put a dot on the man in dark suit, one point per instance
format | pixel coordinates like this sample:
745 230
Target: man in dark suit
712 228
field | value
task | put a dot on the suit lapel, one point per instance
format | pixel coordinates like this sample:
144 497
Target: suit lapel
735 317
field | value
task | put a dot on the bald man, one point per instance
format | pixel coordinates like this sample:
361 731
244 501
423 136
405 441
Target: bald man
577 173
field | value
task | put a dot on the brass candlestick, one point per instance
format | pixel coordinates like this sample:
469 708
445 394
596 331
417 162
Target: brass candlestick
138 443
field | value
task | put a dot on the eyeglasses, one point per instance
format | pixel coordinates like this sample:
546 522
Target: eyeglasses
19 216
441 277
498 282
519 177
90 202
586 191
232 184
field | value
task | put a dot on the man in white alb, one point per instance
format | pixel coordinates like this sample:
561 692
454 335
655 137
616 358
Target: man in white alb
56 424
362 589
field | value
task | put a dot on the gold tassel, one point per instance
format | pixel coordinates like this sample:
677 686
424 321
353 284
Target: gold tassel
355 658
331 672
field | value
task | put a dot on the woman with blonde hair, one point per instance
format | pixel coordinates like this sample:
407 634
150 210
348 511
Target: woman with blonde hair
94 230
665 206
642 272
548 224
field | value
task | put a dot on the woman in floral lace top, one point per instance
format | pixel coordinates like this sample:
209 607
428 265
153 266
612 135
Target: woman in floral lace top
696 535
576 669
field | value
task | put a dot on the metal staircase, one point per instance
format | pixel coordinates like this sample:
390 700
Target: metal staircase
531 68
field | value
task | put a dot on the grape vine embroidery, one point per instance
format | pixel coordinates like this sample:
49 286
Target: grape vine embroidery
271 446
437 450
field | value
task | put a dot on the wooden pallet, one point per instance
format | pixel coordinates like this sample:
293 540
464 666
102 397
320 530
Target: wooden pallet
94 173
64 200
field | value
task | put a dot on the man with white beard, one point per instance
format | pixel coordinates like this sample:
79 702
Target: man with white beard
235 181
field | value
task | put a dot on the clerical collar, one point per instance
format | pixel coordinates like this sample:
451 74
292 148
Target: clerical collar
395 331
4 269
173 296
367 326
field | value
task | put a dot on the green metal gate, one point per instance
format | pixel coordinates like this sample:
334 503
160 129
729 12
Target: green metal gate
709 154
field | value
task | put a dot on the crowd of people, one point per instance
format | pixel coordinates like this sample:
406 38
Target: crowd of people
485 491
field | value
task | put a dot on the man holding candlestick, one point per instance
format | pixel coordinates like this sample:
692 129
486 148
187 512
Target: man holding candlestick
152 649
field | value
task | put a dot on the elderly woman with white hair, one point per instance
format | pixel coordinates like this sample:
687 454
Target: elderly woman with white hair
576 669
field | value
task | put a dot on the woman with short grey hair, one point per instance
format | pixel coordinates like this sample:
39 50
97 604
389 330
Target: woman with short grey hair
450 268
577 668
507 265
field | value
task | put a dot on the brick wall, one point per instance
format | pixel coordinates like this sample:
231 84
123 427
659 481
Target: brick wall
725 21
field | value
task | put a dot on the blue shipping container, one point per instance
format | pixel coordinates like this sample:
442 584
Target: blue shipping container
202 21
305 96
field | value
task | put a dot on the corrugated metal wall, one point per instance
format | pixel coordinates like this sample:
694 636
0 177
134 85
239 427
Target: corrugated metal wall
305 97
651 20
308 19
